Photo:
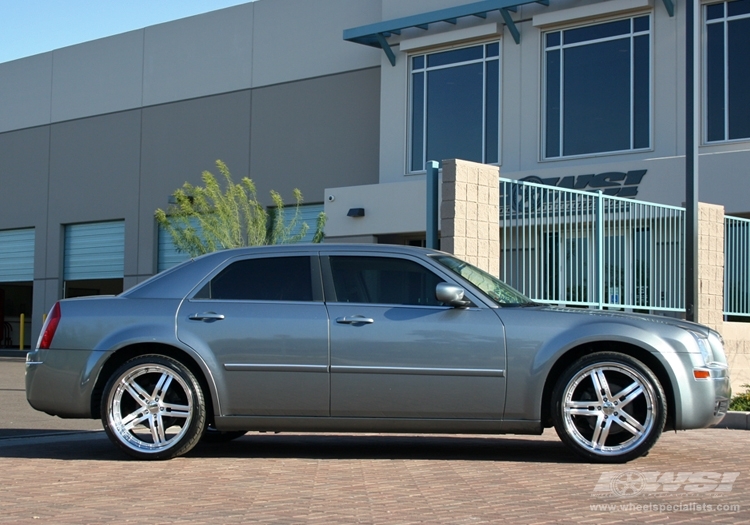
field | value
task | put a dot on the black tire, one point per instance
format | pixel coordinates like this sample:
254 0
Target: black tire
211 436
153 408
608 408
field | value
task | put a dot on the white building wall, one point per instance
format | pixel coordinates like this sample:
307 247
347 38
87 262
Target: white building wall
723 167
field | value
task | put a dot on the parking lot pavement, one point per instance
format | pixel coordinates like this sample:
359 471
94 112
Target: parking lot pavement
18 418
700 476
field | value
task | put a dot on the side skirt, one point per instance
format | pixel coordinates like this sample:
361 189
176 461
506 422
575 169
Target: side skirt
379 425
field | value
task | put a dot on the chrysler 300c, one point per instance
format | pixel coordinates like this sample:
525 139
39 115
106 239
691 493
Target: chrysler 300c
366 338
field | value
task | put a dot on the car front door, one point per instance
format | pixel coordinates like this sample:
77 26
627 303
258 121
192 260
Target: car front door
263 321
396 352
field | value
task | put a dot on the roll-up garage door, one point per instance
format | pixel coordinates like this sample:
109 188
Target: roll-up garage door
308 214
168 255
94 251
17 255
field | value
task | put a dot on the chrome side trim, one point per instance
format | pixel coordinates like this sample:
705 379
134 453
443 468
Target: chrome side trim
275 368
473 372
477 372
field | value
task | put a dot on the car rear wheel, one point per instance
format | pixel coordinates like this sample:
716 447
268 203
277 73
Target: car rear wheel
609 407
153 408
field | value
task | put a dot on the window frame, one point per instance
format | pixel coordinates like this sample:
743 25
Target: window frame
725 20
561 115
425 70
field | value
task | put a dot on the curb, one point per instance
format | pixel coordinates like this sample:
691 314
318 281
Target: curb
6 352
735 421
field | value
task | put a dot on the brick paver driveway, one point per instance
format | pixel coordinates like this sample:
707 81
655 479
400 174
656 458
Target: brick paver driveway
698 476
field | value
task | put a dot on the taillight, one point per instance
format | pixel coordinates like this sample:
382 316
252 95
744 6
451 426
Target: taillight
50 326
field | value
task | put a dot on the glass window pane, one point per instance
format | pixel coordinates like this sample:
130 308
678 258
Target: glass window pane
715 82
581 34
641 23
739 78
553 39
552 137
738 7
382 280
714 11
641 90
417 62
493 50
596 106
492 112
267 279
454 113
417 122
455 55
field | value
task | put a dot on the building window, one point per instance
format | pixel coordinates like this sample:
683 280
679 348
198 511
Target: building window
455 105
597 96
727 65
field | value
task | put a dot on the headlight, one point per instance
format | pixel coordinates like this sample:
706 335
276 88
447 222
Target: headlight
704 346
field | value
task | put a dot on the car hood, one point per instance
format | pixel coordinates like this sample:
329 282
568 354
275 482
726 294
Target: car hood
670 321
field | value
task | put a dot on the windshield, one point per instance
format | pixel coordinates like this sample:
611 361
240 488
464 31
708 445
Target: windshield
493 287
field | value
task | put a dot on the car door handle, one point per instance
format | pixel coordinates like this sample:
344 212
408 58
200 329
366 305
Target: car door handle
355 319
209 317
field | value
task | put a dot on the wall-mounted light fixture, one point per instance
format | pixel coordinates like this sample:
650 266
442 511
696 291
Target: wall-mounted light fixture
356 212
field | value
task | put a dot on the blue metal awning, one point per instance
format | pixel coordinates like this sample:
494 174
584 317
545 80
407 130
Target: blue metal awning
375 35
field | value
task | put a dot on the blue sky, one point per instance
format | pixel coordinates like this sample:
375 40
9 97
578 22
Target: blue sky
29 27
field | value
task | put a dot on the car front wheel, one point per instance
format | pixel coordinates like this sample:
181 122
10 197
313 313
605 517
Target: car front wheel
608 407
153 408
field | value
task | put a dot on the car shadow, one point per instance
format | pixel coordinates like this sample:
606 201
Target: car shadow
93 446
418 447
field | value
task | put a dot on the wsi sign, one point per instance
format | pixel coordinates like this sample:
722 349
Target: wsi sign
614 183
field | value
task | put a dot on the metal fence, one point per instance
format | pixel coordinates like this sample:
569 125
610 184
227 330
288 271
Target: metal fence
736 267
571 247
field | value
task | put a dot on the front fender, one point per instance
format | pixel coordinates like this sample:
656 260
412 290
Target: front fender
538 339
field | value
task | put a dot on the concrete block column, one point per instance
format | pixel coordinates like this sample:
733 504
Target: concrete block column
470 213
711 265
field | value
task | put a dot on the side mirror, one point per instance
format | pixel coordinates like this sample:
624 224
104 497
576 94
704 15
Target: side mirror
451 294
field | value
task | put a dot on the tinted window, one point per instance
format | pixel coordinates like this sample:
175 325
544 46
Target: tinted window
455 105
383 280
727 70
597 88
267 279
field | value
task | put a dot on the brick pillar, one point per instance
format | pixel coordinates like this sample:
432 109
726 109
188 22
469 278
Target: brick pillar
711 265
470 213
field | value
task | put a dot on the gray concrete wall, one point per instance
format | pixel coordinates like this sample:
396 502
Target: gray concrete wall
242 47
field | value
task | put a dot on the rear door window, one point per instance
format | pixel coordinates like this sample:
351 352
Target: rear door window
262 279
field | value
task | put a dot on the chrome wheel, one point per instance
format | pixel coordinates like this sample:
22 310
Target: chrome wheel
609 407
153 408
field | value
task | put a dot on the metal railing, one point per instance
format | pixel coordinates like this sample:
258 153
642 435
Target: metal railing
564 246
736 266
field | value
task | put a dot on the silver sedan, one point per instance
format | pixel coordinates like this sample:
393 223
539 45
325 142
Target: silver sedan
366 338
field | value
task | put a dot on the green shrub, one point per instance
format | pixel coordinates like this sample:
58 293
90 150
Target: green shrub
741 402
204 219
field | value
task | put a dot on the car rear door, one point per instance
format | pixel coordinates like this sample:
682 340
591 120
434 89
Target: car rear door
263 321
396 352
